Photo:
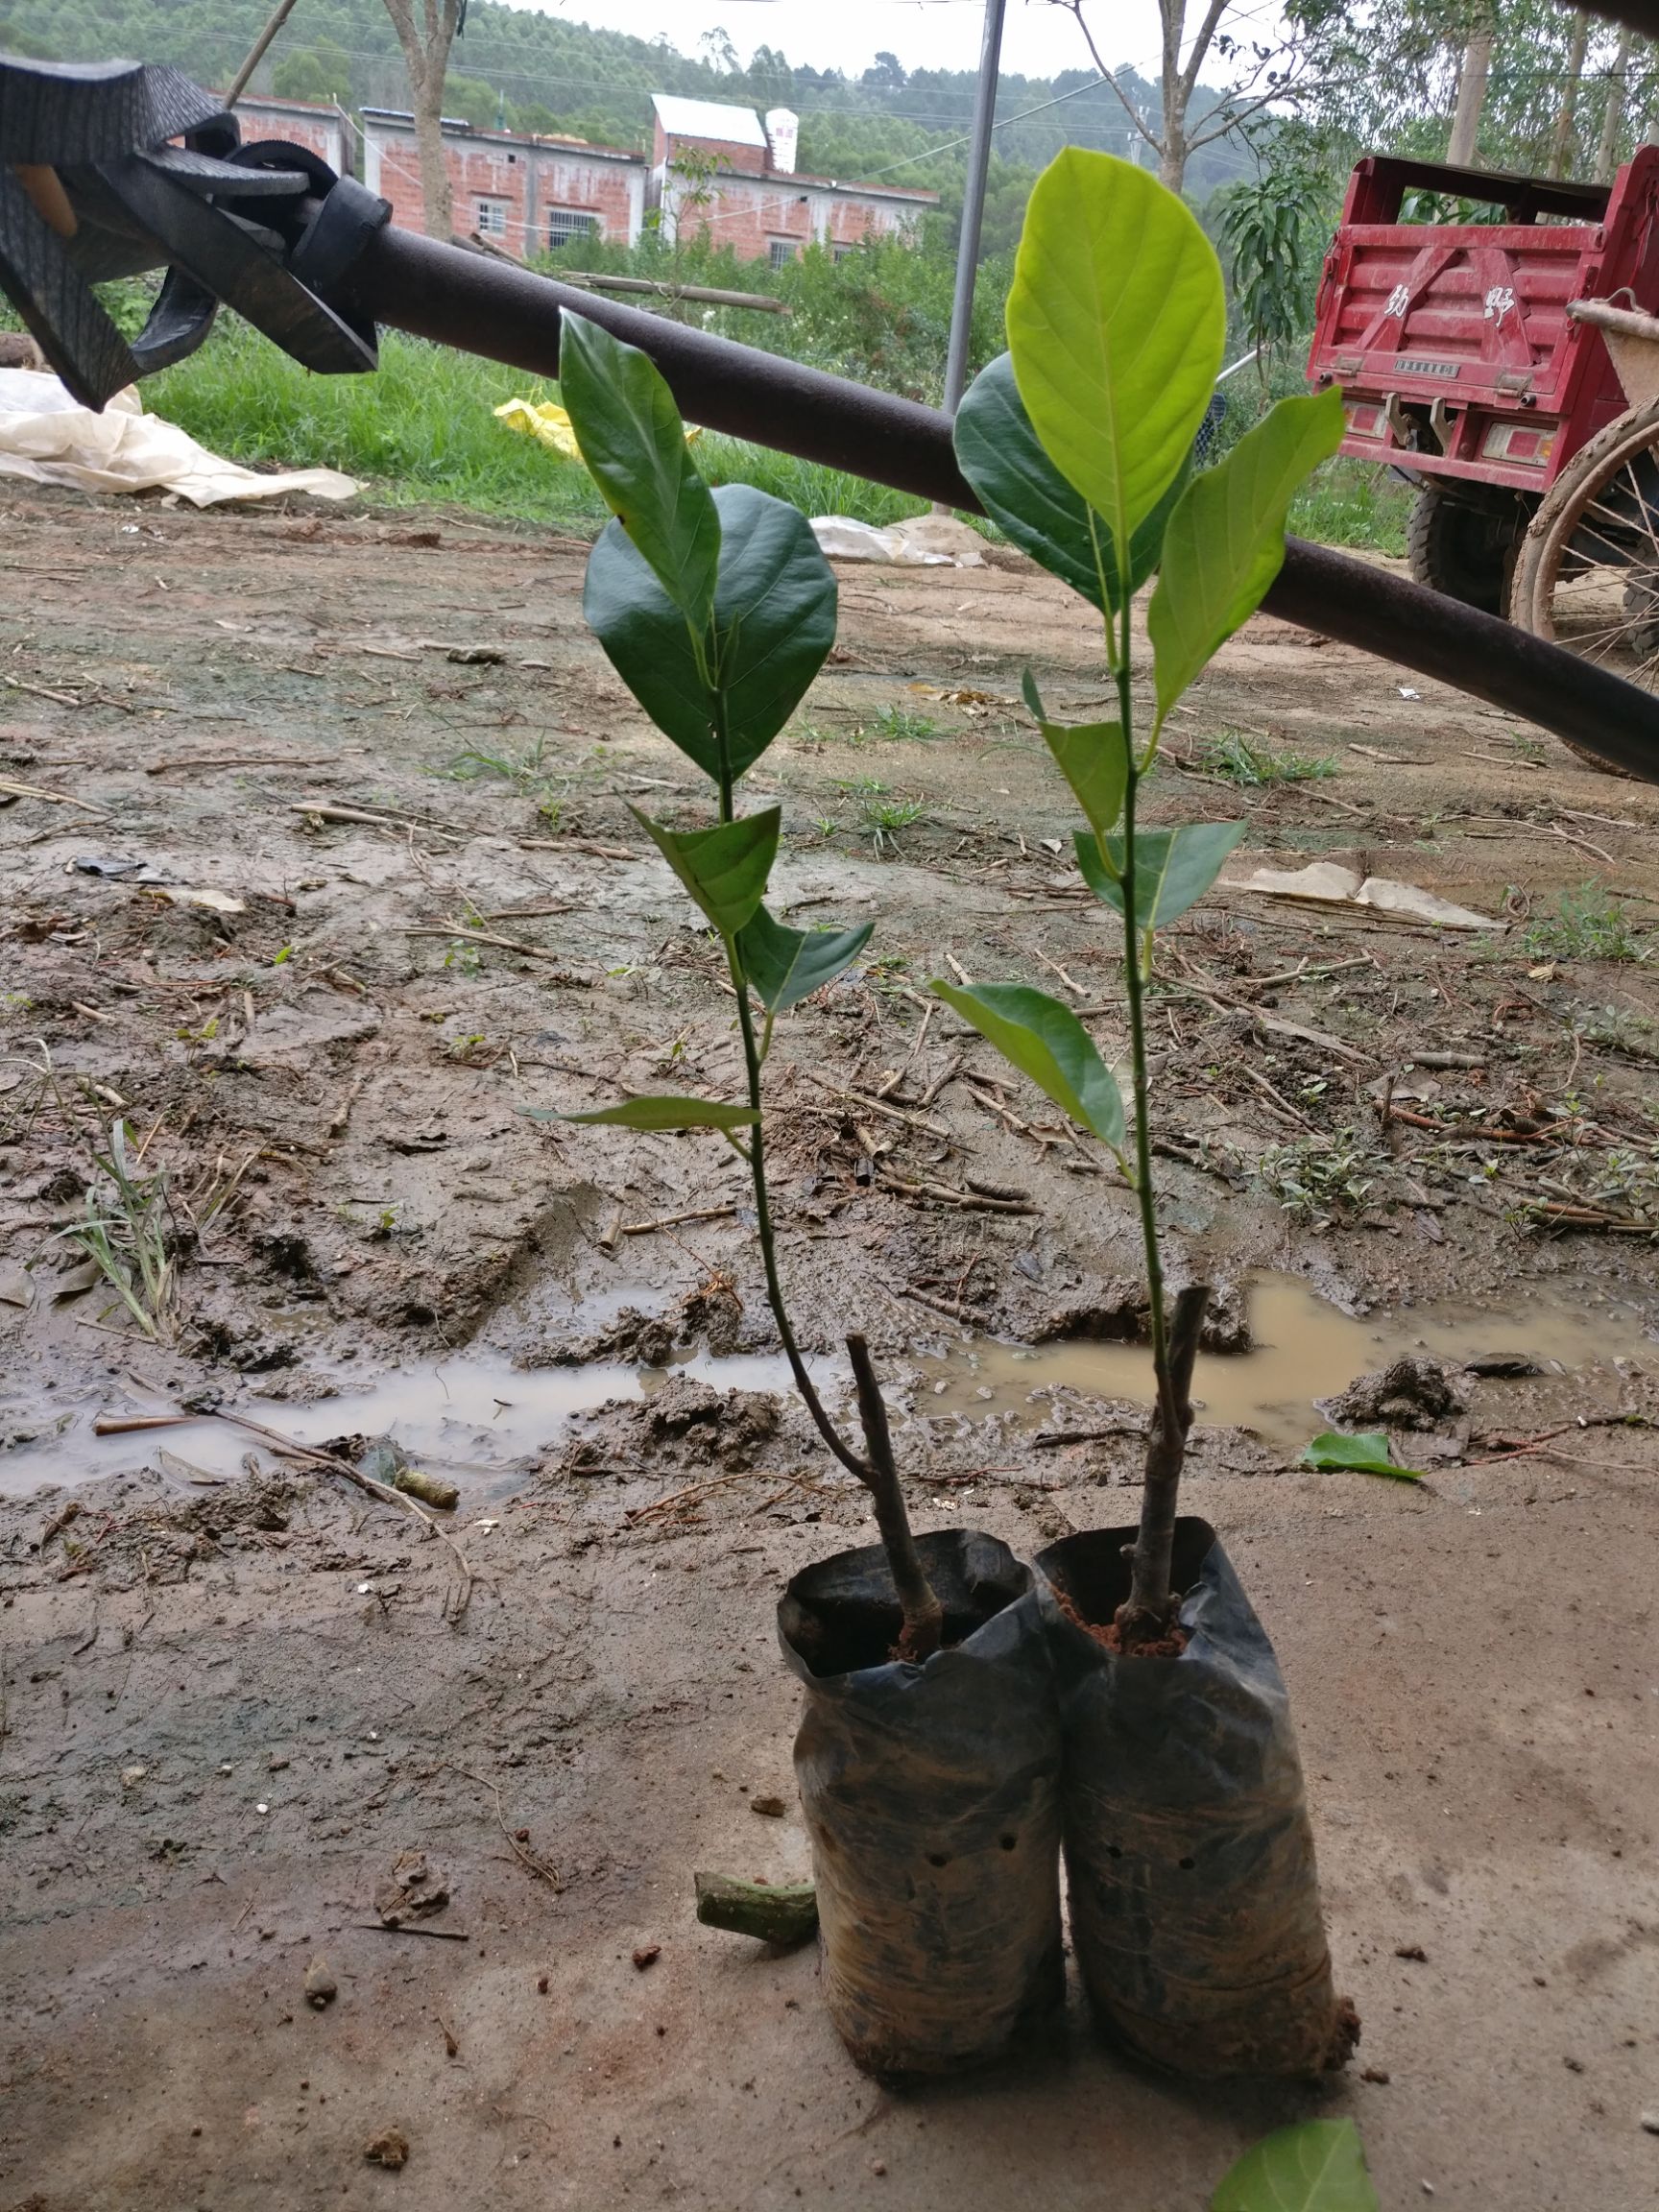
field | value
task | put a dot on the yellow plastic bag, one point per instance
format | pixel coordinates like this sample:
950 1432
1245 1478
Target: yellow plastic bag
550 425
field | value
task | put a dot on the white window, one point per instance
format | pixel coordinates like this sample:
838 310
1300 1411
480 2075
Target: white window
492 218
566 222
783 251
842 253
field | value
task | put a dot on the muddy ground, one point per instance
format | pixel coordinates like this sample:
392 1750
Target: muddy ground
233 1696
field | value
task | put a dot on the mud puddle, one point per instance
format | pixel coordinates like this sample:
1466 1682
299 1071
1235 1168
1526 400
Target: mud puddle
476 1417
1306 1348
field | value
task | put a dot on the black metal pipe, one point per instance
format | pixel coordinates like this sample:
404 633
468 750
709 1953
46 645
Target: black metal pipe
481 305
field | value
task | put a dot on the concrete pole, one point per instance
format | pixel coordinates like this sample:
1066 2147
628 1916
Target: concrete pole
974 205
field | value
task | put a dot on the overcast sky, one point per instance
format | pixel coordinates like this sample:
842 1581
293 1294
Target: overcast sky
847 35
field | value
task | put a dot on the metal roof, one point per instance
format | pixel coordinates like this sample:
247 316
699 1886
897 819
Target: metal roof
708 119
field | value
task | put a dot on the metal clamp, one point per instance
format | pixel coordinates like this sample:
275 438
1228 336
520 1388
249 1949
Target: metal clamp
93 185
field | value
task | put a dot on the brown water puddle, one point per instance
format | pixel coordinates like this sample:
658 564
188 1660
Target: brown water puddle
1306 1348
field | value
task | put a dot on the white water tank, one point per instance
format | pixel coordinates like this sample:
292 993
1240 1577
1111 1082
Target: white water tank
783 136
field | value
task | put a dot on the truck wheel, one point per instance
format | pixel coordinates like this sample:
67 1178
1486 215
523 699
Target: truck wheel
1588 574
1463 550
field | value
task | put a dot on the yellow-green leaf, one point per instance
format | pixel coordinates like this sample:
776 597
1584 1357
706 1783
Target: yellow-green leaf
1115 323
1318 2166
1225 541
1092 756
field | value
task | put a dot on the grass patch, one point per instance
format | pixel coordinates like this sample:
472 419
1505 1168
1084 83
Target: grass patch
1353 504
422 430
1588 923
1231 756
128 1233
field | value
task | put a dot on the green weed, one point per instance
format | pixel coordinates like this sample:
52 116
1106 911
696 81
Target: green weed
129 1234
1619 1030
1319 1179
1231 755
1588 923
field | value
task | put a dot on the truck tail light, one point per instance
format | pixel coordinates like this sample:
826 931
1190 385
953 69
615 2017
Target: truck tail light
1530 445
1366 421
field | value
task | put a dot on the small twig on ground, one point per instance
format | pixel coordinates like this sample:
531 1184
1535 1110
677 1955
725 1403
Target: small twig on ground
971 1200
678 1220
542 1868
123 1424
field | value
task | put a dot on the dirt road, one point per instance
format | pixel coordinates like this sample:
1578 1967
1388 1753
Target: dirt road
234 1695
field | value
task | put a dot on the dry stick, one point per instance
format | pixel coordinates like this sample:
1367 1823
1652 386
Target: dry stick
542 1868
924 1615
1146 1616
122 1425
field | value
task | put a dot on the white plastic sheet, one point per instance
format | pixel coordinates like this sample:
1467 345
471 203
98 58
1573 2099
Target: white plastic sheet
47 437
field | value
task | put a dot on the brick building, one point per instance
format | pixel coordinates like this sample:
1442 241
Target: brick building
720 169
713 168
320 129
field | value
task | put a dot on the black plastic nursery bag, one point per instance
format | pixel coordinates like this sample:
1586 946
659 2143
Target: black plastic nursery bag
1190 1880
931 1793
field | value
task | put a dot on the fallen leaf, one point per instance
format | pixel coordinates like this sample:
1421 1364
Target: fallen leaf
1367 1453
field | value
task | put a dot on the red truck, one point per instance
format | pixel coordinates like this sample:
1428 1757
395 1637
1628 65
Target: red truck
1511 366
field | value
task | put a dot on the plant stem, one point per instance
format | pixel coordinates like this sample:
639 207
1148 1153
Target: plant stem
924 1615
1144 1617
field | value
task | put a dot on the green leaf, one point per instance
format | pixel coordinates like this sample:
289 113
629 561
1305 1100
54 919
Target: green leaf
634 443
725 868
1047 1042
1092 756
662 1113
1317 2166
1367 1453
1225 541
1173 868
774 624
787 965
1115 322
1022 491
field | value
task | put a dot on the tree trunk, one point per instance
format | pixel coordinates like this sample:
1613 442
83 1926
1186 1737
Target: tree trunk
1561 151
1172 147
435 195
1613 114
1472 77
426 45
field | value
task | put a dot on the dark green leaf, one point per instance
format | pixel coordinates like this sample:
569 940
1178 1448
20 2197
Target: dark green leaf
1022 491
1092 756
664 1113
1225 541
1115 322
787 965
1047 1042
774 624
1367 1453
1317 2166
634 443
725 868
1173 868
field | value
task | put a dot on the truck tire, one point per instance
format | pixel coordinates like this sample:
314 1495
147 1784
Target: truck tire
1463 550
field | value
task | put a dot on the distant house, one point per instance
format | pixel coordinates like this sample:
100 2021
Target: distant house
713 168
721 170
